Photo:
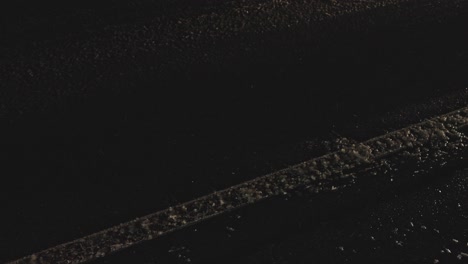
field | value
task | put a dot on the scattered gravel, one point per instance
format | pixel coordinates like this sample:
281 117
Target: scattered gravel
436 139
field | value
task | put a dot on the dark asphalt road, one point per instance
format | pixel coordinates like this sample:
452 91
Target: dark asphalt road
115 111
418 149
405 221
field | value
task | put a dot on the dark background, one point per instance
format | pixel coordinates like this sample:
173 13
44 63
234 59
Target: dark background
114 110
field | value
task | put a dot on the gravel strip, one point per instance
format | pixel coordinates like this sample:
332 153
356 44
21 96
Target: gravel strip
435 139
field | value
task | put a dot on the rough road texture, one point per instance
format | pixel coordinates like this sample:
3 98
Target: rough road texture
98 67
436 140
140 57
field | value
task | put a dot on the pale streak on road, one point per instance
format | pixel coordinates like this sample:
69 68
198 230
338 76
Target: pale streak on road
437 134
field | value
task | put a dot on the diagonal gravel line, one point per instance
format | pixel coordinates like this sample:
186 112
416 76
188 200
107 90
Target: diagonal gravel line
439 136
